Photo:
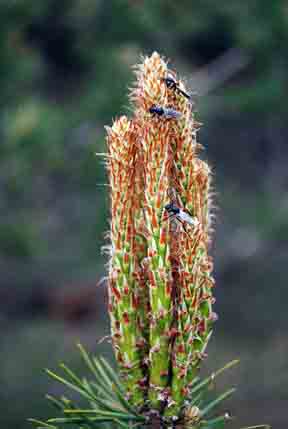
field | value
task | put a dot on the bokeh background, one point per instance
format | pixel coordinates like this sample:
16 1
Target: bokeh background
65 69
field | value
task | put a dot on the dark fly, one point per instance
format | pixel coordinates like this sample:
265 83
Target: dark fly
174 85
180 214
167 113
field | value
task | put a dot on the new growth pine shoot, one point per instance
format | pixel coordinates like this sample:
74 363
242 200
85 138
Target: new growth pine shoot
160 282
160 272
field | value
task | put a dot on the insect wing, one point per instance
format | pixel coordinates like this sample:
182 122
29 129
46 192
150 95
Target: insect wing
172 114
188 96
187 218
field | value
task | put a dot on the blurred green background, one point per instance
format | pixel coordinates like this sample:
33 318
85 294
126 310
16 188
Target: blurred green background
65 69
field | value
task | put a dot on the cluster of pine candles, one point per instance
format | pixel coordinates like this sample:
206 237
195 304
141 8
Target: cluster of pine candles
160 281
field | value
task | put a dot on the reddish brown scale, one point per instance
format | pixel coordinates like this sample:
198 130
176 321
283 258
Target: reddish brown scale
187 291
154 221
159 200
187 329
184 391
182 373
148 308
135 301
153 178
152 280
116 293
149 210
141 248
202 326
186 274
194 302
168 288
119 356
137 275
202 283
173 332
196 245
118 243
126 318
150 188
126 258
161 189
163 236
142 383
183 240
181 176
181 348
129 232
151 253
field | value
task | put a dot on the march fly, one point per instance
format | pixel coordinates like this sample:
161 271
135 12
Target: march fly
174 85
181 215
165 112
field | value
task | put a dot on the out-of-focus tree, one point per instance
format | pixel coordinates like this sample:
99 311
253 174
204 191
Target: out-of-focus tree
64 67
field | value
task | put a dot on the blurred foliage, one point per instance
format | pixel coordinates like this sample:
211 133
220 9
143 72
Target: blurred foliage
64 72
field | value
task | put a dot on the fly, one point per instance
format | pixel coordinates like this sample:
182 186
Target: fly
174 85
182 216
167 113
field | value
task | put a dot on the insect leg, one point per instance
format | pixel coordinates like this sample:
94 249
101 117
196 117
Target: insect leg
168 217
184 227
180 91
